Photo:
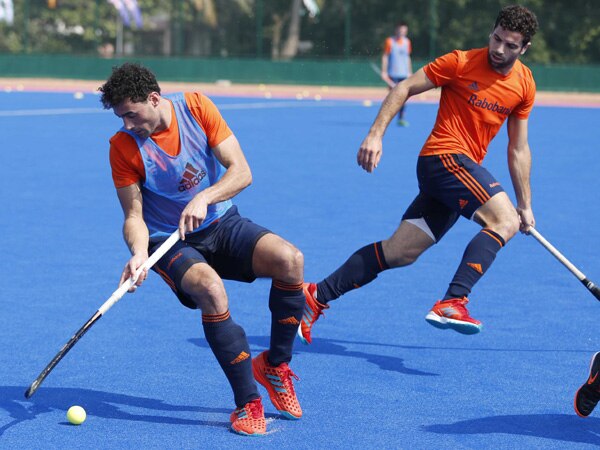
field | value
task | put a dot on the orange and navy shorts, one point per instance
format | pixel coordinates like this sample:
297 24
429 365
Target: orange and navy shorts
227 245
450 186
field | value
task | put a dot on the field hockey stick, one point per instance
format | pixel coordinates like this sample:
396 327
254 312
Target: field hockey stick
595 290
377 70
114 298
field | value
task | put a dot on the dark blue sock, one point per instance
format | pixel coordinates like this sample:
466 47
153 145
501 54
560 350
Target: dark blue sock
286 302
361 268
478 257
228 342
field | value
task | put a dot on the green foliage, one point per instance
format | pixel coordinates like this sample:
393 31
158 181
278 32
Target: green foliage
569 29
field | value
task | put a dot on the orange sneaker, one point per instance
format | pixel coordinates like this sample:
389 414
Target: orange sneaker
312 310
278 383
250 419
452 313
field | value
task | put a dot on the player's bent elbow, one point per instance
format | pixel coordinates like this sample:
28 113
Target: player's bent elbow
248 181
247 178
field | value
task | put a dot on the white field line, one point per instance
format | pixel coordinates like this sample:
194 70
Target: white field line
286 104
230 106
50 112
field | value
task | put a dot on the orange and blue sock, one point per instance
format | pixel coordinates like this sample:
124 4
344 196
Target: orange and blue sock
228 342
478 257
361 268
286 302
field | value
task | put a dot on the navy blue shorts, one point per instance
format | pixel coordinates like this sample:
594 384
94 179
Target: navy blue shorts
450 185
227 245
397 80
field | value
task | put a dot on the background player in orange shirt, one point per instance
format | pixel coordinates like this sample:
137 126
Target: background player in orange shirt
396 63
481 88
176 165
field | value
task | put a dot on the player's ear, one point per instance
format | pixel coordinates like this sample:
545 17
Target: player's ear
525 47
154 98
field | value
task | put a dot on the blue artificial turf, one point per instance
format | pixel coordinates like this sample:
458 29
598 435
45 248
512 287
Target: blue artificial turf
377 375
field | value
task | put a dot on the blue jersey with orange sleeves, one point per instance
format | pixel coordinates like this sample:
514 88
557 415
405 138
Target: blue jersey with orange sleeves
171 179
398 51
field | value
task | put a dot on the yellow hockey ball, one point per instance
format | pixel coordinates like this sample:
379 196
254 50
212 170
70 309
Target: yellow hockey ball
76 415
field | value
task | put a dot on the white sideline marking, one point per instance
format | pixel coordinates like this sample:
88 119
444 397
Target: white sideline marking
231 106
50 112
266 105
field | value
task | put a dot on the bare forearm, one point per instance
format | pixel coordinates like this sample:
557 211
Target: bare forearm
135 233
236 179
519 165
390 107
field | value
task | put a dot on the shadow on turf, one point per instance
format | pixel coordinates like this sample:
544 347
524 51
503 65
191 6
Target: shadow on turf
558 427
333 347
99 404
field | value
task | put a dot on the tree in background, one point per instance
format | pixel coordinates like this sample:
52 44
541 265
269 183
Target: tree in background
569 29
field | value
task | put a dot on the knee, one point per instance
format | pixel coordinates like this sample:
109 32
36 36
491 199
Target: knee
404 259
509 227
291 264
206 290
400 256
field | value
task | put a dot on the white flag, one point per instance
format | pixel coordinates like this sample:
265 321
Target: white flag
134 11
6 11
312 7
122 10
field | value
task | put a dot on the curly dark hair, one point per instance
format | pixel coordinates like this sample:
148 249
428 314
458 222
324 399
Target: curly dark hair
520 19
128 81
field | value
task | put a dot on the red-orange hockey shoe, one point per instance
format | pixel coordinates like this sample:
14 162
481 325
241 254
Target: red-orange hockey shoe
312 310
250 419
588 394
278 383
452 313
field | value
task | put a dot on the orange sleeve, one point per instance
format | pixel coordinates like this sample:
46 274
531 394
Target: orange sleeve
125 161
387 46
443 69
524 108
209 118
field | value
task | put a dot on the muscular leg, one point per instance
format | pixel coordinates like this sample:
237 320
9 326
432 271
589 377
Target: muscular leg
204 286
403 248
406 244
227 339
501 222
278 259
499 215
